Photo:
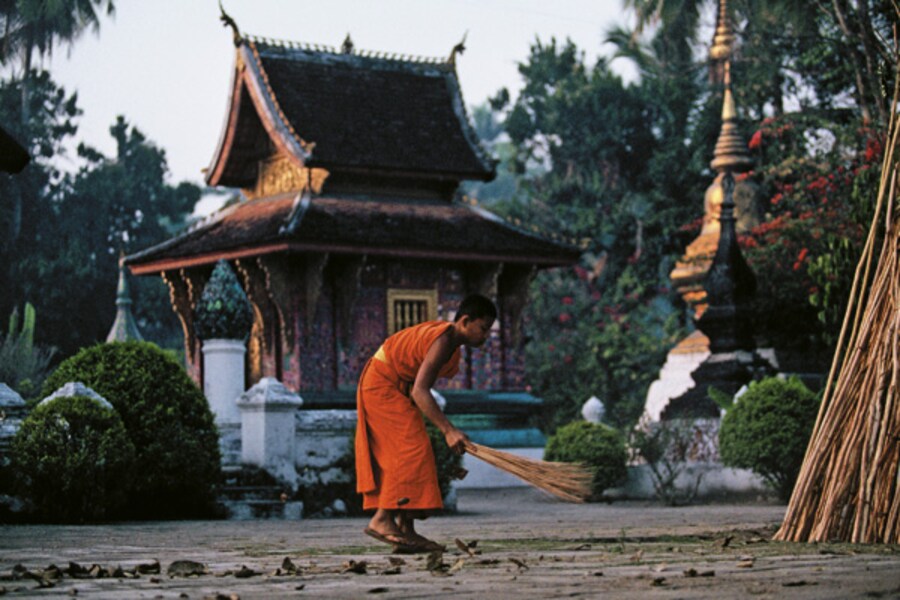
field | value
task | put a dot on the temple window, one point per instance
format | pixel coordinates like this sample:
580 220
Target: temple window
406 308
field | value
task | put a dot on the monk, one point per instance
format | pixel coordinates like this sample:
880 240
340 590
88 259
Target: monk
395 467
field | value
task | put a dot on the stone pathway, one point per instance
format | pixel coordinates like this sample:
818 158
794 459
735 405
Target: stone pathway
528 546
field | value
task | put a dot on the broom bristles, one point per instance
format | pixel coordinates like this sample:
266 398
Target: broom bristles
567 481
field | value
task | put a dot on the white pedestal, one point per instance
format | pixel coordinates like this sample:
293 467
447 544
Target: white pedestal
223 377
268 428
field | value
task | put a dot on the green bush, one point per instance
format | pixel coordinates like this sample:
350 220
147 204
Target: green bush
593 444
167 419
73 460
767 431
23 366
223 310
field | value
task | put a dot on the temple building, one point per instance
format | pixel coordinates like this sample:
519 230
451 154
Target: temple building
351 224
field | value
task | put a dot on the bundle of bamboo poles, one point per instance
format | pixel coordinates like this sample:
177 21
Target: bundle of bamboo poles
567 481
848 488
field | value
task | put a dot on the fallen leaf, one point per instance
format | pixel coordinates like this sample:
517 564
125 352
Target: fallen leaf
519 563
707 573
690 573
457 565
745 564
757 540
462 546
396 560
597 573
73 592
637 556
391 571
489 561
186 568
658 581
52 573
724 543
300 587
152 568
377 590
435 561
288 566
244 573
155 580
797 583
352 566
582 547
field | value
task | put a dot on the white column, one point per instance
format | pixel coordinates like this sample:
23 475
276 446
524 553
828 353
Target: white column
268 428
223 378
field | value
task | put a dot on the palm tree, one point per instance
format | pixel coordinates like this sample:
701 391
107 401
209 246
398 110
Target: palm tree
30 26
37 26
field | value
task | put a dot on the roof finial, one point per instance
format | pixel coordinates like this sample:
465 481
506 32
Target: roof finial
227 21
124 327
458 49
347 46
730 152
722 44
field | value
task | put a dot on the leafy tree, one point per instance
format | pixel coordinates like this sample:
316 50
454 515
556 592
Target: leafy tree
73 226
112 205
595 162
36 26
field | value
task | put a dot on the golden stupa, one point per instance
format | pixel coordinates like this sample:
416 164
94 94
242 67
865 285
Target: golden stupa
730 154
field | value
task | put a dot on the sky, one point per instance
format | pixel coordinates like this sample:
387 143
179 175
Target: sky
166 65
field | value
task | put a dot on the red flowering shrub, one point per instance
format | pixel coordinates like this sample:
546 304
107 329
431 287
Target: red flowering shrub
805 251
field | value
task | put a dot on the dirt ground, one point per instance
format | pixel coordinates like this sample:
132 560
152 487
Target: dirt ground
526 546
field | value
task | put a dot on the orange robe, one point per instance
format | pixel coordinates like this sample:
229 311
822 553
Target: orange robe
395 465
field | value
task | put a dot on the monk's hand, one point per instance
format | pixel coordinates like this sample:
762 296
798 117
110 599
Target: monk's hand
456 439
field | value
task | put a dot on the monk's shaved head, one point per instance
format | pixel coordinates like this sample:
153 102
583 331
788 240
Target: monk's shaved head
476 306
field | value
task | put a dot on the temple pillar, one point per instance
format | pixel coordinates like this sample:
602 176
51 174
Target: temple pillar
185 288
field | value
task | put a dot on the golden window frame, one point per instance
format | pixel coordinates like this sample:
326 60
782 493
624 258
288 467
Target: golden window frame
421 306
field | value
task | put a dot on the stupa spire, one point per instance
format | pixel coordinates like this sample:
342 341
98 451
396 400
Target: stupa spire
125 327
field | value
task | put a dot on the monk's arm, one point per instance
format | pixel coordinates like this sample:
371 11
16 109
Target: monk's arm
439 353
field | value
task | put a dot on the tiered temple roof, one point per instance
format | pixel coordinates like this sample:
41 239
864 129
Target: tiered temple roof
295 223
347 152
346 111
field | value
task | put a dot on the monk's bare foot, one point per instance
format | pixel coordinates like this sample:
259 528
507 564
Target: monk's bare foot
383 527
407 527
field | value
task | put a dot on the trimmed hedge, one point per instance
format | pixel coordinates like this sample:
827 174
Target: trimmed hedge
593 444
767 431
167 419
73 460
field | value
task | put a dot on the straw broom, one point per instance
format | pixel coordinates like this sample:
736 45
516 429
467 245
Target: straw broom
847 489
568 481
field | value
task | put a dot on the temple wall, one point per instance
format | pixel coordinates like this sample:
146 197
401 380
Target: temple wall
332 357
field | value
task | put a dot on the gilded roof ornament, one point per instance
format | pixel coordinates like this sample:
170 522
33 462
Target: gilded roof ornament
227 21
458 49
347 46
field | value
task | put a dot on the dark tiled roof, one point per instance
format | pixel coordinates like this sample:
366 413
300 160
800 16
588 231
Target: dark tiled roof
361 112
378 227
